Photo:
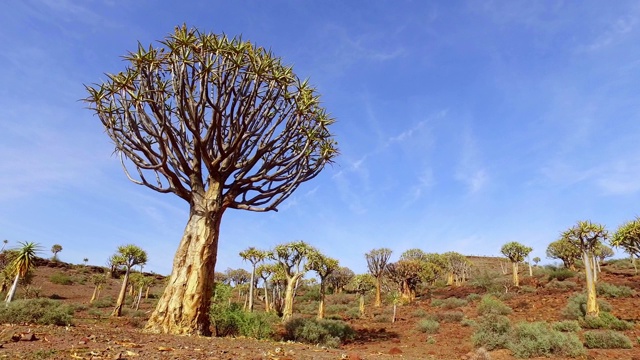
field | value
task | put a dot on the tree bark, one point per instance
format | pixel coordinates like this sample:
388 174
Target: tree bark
321 305
12 290
378 302
592 302
287 312
361 305
253 275
123 293
183 308
94 297
516 280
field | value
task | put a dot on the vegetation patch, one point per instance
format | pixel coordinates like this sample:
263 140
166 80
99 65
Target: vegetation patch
428 326
576 307
566 326
537 339
612 291
330 333
607 339
560 274
490 305
605 320
447 316
492 332
449 303
61 279
36 311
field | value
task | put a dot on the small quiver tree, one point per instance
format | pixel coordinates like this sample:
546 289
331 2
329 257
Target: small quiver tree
516 253
98 281
340 278
264 272
21 264
587 236
628 237
254 256
55 249
127 257
222 124
292 260
377 261
362 283
565 251
323 266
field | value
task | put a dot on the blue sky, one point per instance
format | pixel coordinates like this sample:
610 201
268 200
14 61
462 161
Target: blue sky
462 125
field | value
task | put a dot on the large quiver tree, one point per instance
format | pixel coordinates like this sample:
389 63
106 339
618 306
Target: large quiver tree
220 123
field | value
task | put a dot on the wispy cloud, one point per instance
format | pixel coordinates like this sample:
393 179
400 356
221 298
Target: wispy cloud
470 170
616 31
424 182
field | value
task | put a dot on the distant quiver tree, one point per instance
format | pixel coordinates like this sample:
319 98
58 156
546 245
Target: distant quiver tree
222 124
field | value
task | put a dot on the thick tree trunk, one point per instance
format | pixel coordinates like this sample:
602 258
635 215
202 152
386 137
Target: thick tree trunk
592 302
139 298
183 308
12 290
516 279
123 293
378 302
361 305
321 305
287 312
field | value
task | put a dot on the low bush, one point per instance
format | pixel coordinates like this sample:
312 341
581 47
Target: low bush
561 274
605 320
428 326
449 303
612 291
473 297
419 313
526 289
537 339
36 311
576 307
330 333
447 316
607 339
486 280
492 332
565 285
231 320
566 326
104 302
61 279
489 304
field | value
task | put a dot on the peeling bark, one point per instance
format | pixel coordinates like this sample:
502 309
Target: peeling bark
183 308
592 303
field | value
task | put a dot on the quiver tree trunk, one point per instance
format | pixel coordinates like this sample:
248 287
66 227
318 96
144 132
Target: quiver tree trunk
361 304
123 293
183 308
321 304
12 290
592 301
378 302
516 279
287 311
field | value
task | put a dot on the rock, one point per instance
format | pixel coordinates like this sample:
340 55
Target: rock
28 337
353 356
395 351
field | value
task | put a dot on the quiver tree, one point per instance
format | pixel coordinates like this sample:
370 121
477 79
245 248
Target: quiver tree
565 251
127 257
254 256
220 123
362 283
628 237
377 261
339 278
264 272
21 264
407 274
587 236
98 281
516 253
457 266
323 266
292 260
55 249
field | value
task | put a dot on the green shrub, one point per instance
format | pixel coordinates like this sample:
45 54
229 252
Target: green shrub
561 274
36 311
473 297
449 303
420 313
312 294
526 289
428 326
467 322
447 316
61 279
605 320
330 333
352 313
492 332
577 307
486 280
566 326
536 339
598 339
561 285
489 304
612 291
104 302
